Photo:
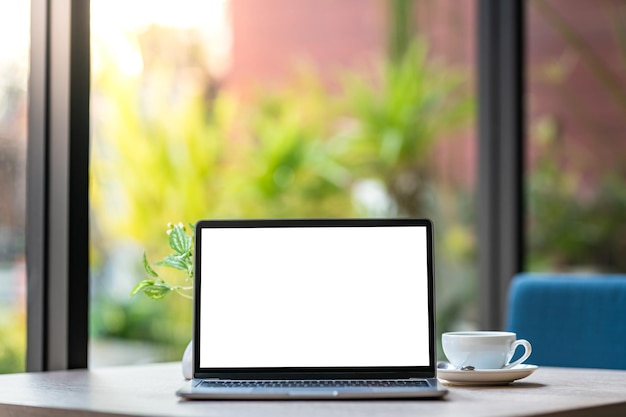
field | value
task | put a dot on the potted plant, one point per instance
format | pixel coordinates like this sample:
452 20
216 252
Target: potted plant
180 259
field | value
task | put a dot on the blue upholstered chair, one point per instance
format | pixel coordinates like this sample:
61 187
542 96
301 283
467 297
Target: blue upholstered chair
571 320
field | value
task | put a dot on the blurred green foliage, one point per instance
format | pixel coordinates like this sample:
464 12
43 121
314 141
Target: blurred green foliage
575 218
13 337
575 224
417 103
302 150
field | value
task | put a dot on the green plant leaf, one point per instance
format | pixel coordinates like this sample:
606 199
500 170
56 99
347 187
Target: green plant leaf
153 289
157 291
176 261
148 268
179 241
141 285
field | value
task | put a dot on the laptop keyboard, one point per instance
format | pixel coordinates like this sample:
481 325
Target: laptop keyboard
324 383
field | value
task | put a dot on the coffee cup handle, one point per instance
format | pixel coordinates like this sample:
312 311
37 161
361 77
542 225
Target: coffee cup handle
528 349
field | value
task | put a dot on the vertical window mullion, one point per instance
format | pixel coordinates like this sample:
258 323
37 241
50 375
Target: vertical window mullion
58 198
501 157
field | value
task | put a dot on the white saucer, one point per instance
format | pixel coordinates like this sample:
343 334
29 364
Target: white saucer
486 376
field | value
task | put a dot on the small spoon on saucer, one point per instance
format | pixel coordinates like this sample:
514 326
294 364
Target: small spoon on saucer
446 365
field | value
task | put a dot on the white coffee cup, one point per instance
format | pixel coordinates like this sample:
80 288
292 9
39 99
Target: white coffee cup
483 349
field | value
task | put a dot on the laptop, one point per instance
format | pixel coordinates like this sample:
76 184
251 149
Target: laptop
313 309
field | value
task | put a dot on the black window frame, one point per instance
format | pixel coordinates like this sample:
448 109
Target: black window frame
57 236
501 157
57 224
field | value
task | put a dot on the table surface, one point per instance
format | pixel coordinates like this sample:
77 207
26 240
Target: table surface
148 390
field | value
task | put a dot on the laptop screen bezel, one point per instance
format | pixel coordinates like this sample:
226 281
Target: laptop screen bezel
317 372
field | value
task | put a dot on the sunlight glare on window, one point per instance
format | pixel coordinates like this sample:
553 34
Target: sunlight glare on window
115 24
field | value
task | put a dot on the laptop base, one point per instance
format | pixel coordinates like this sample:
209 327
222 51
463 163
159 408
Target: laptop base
193 391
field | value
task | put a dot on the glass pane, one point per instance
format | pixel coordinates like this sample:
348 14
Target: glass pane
241 109
14 61
576 152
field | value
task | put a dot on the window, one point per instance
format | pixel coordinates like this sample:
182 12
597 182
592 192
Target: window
14 25
326 133
241 109
576 101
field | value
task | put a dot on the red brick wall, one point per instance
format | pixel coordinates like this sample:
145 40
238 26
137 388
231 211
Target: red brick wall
273 36
589 118
450 27
270 37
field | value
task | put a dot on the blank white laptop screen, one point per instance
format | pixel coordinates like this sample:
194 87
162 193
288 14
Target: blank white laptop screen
314 297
